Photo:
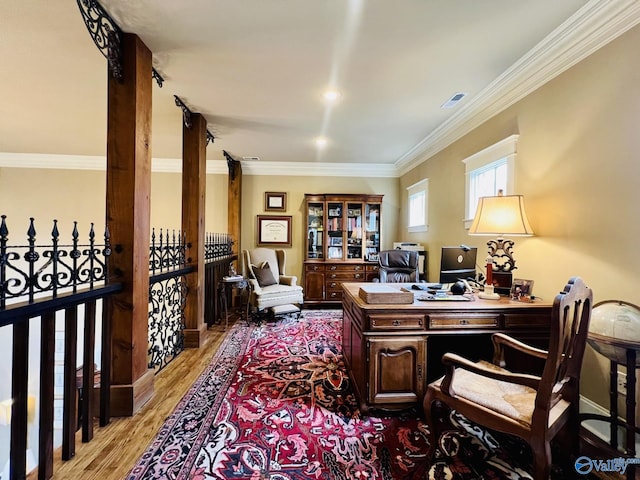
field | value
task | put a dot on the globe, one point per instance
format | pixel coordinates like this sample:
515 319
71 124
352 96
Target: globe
614 329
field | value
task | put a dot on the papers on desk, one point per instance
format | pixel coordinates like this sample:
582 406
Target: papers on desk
445 298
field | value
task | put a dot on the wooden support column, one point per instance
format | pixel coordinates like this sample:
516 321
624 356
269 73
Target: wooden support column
128 207
194 180
234 201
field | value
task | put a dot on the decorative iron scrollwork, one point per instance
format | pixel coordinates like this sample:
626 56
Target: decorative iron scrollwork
186 113
167 252
231 164
31 270
217 246
167 300
157 77
501 251
210 137
106 34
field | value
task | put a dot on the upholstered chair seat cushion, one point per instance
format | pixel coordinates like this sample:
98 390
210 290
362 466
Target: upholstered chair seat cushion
510 399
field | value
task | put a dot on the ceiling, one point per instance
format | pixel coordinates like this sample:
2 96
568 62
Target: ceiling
257 69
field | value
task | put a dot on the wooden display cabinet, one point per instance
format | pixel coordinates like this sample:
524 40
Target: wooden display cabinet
343 243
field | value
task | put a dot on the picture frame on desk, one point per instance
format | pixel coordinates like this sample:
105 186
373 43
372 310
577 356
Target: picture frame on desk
274 231
521 288
275 201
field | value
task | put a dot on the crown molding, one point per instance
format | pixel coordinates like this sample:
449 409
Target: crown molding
589 29
214 167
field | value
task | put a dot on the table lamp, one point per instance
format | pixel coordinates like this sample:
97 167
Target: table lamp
501 215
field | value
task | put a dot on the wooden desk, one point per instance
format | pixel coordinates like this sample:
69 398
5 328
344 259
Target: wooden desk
393 351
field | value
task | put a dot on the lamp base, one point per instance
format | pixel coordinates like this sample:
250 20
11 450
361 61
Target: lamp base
502 282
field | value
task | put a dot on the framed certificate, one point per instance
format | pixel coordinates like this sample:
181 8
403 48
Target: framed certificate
274 230
275 201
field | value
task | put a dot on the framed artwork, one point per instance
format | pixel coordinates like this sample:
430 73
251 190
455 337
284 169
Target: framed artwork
521 288
275 201
274 231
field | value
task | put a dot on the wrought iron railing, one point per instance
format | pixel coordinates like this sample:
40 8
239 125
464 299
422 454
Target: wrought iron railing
31 270
168 267
37 282
167 251
219 257
217 246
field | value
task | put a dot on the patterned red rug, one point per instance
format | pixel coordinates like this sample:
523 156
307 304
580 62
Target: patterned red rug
276 403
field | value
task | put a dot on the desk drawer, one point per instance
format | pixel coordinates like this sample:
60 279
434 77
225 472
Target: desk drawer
396 322
345 267
336 295
314 267
464 321
345 276
525 320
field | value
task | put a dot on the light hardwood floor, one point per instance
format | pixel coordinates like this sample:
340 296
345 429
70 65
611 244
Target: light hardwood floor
116 447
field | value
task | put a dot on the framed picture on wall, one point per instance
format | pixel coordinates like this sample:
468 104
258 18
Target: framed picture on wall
274 231
275 201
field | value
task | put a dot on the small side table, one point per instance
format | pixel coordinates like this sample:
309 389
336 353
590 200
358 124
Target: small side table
227 286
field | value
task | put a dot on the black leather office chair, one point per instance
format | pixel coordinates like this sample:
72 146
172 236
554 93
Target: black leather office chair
398 266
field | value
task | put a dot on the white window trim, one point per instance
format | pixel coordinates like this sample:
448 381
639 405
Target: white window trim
422 185
506 148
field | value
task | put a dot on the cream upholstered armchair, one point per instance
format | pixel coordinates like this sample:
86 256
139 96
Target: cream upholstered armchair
270 287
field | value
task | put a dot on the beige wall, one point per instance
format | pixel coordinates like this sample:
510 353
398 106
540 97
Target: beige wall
254 187
578 167
79 195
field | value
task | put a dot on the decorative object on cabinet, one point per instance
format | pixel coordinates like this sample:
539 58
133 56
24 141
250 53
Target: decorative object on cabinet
534 407
501 215
285 291
275 201
343 243
274 230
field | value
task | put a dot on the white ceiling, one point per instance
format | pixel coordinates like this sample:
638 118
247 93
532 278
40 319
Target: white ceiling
256 70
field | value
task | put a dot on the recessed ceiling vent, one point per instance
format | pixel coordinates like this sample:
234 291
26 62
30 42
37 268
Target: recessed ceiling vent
251 159
453 101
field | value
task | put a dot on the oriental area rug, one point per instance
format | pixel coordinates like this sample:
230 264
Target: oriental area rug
276 403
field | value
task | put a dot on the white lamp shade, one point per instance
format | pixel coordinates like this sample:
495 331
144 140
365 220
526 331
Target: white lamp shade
501 215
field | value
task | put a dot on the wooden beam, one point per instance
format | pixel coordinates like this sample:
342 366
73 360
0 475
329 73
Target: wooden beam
128 209
194 177
234 201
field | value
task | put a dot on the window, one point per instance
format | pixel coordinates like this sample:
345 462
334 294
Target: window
487 172
417 206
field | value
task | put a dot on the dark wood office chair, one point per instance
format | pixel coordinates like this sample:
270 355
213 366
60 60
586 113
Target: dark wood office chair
535 408
398 266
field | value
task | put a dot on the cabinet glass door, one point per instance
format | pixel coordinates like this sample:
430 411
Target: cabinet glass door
335 230
315 230
372 233
354 230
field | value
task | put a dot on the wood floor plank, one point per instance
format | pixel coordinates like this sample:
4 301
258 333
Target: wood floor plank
115 448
